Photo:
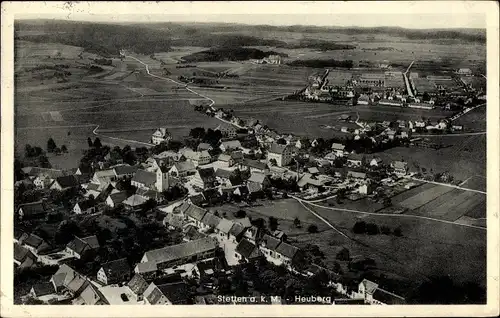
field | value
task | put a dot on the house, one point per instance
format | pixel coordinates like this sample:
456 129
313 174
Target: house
85 207
236 232
376 162
114 272
355 160
138 286
198 158
223 176
206 269
81 247
204 146
227 130
280 235
91 296
261 179
237 156
182 169
104 176
43 291
191 233
116 198
356 175
281 154
32 210
62 277
160 135
19 236
223 228
457 127
366 188
197 199
135 201
230 145
195 214
464 71
400 168
288 255
313 170
225 160
147 270
247 251
23 258
308 181
391 134
268 246
338 149
253 234
210 221
65 183
44 177
144 179
364 99
124 171
373 294
204 178
181 253
35 244
344 129
83 170
167 294
420 124
253 165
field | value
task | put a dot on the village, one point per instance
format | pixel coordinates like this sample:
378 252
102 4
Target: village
181 188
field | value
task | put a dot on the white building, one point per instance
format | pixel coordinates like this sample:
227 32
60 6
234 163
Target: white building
160 135
281 153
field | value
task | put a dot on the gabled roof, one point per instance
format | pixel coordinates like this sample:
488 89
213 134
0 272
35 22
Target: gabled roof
116 269
387 297
176 293
135 200
287 250
197 199
32 208
137 284
144 177
67 181
370 286
146 267
224 158
42 289
118 197
247 249
257 177
337 146
254 164
270 242
174 252
355 157
184 166
254 187
203 146
207 174
80 244
211 220
33 241
124 170
195 212
223 173
231 144
191 232
277 148
225 225
356 174
237 229
64 275
85 205
182 208
21 253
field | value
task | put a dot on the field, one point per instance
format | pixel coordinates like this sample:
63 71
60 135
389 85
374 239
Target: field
475 120
426 247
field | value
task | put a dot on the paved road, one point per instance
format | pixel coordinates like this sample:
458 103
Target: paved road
411 216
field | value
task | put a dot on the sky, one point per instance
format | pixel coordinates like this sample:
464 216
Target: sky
415 15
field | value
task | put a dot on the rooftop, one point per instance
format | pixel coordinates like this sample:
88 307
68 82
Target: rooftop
175 252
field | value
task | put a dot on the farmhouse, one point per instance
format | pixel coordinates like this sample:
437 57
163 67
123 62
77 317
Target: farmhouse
43 291
147 270
182 169
160 135
376 162
181 253
355 160
338 149
144 179
356 175
65 183
116 198
247 251
85 207
135 201
35 244
389 102
138 286
225 160
373 294
114 272
400 167
227 130
32 210
23 258
167 294
282 154
198 158
204 178
81 247
230 145
253 165
195 214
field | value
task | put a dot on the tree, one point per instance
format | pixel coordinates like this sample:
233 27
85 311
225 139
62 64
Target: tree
384 229
97 143
359 227
398 232
240 214
197 133
386 201
57 151
273 223
66 231
64 149
89 142
296 222
281 141
312 228
260 223
51 145
273 162
372 229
